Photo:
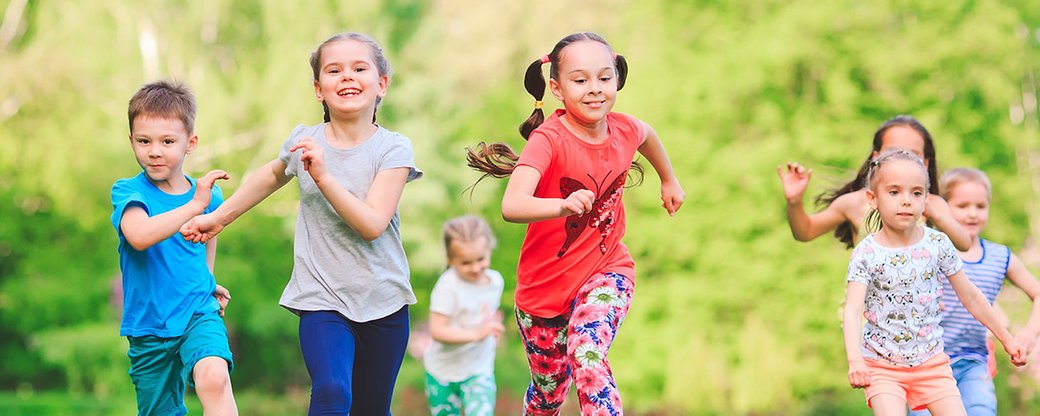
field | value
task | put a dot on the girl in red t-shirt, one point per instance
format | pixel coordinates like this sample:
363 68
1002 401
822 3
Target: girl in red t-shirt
575 277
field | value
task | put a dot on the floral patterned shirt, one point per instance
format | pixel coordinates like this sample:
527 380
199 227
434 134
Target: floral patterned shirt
904 293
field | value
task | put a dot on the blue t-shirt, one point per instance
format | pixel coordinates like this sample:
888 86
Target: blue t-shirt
164 285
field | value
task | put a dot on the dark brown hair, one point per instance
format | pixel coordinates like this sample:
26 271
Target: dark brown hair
847 230
163 98
498 159
382 64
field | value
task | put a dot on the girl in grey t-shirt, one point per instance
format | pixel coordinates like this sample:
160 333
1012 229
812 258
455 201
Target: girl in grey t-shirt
349 283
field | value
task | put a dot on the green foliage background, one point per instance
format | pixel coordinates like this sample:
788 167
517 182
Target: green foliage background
731 316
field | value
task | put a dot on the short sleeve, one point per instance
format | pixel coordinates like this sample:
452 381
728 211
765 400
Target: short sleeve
125 194
290 159
949 261
859 271
442 300
638 129
537 153
400 155
216 198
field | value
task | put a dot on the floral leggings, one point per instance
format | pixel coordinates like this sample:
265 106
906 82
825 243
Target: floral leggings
573 346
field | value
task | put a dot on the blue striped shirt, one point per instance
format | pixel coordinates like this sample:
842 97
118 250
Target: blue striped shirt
965 337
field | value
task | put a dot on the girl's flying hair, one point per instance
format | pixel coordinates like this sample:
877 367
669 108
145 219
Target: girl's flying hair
847 230
498 159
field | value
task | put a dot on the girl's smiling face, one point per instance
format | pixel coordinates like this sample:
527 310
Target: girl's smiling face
349 80
586 81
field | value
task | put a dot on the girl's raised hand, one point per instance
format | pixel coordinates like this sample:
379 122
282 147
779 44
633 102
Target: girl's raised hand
312 157
579 202
672 196
795 178
201 228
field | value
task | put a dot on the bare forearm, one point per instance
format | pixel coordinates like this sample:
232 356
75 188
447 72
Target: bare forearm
852 333
1033 325
454 335
527 209
958 235
801 223
975 302
358 215
653 150
258 186
144 232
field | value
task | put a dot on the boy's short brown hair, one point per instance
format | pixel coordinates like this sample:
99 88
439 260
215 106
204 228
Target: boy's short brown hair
164 98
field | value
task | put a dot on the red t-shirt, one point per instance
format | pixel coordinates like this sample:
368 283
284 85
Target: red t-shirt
560 254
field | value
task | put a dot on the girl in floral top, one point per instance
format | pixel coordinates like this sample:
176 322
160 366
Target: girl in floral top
894 281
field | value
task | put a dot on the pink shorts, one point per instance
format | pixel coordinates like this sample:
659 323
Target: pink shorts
920 385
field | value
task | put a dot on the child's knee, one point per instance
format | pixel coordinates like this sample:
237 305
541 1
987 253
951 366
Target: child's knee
211 375
331 391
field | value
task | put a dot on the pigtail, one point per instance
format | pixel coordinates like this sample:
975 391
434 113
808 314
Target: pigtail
534 82
622 70
496 160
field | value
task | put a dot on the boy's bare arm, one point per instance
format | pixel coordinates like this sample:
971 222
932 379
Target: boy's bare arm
142 231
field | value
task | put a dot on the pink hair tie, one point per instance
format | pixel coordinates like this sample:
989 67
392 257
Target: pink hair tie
545 59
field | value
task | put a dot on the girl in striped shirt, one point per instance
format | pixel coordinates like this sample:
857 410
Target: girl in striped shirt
986 264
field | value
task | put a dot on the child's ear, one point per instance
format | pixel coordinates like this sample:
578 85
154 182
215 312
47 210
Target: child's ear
871 199
192 143
317 92
554 87
384 83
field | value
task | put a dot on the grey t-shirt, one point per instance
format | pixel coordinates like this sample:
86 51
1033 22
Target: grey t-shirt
464 304
334 269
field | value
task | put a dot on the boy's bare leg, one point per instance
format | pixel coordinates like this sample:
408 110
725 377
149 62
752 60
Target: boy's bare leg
213 386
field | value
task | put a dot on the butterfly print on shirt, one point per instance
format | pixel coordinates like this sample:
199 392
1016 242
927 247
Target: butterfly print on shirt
602 214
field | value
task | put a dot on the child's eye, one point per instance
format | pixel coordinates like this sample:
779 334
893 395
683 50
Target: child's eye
579 81
918 193
605 79
360 69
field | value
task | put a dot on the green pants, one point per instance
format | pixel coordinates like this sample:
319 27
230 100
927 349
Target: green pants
475 394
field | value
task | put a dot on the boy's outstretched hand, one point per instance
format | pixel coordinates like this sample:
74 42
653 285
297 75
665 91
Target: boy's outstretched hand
204 185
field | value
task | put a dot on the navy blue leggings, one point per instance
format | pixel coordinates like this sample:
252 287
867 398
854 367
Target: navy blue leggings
338 351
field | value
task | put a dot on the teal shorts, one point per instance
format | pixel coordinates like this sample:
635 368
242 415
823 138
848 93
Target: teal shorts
160 367
474 396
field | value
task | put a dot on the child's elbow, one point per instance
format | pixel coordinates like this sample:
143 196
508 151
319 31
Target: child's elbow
370 236
137 243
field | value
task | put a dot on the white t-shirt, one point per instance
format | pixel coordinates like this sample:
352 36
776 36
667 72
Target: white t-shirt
464 304
904 294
